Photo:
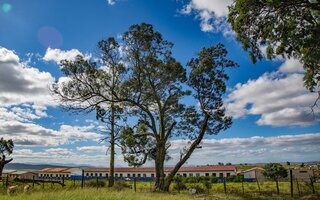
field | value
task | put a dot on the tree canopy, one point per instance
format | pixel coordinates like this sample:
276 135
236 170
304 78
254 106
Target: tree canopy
6 148
275 171
290 28
151 91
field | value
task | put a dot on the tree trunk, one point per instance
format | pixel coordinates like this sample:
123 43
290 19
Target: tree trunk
3 162
112 151
160 166
1 169
193 146
277 184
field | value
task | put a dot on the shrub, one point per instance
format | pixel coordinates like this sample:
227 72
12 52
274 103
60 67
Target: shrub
179 183
93 183
235 178
121 185
199 188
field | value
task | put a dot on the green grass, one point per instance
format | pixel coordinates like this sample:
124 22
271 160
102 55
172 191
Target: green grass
234 192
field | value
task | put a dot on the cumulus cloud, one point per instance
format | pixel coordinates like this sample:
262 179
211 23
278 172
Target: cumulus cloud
280 98
212 14
20 83
303 147
57 55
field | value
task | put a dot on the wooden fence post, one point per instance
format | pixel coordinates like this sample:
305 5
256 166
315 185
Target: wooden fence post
291 183
242 187
7 181
134 184
63 180
33 181
225 185
97 182
82 179
258 186
298 187
74 181
312 185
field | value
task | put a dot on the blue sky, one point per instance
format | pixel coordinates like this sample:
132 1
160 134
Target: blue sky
269 104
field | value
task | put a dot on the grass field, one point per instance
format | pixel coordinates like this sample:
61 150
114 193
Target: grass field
234 191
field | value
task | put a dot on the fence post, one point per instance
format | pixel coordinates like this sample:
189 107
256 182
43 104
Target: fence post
134 184
242 187
298 187
97 182
291 183
63 180
312 185
74 181
82 178
7 181
258 186
33 181
225 185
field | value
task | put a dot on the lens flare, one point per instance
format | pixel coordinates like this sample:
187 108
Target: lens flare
6 7
50 37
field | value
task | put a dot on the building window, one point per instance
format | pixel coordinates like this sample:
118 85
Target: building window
107 175
100 174
133 175
67 175
50 175
91 174
128 175
87 174
185 175
144 175
116 175
121 175
152 175
197 174
207 174
95 174
214 174
139 175
228 174
221 175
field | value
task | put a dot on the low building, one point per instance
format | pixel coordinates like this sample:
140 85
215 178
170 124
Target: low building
58 173
253 174
304 174
23 175
219 171
5 172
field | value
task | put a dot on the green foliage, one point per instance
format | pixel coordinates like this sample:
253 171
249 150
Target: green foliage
235 178
289 28
121 185
6 147
200 188
94 183
179 183
275 171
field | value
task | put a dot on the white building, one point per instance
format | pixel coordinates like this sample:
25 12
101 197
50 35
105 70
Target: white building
57 173
253 174
219 171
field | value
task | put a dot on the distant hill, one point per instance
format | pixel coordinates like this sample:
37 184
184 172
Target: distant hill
21 166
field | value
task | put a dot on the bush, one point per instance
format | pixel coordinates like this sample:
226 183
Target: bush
198 187
93 183
179 183
121 185
235 178
207 185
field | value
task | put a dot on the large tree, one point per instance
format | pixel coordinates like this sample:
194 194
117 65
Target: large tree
290 28
87 82
154 88
275 171
6 148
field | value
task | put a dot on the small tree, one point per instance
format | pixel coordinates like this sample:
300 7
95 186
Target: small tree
275 171
6 148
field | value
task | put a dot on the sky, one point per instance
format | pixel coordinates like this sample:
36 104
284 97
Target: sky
269 104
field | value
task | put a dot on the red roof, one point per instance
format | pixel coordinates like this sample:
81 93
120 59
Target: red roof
167 169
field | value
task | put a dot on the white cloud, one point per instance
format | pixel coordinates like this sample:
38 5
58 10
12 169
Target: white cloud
212 14
303 147
279 98
57 55
101 148
111 2
20 83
